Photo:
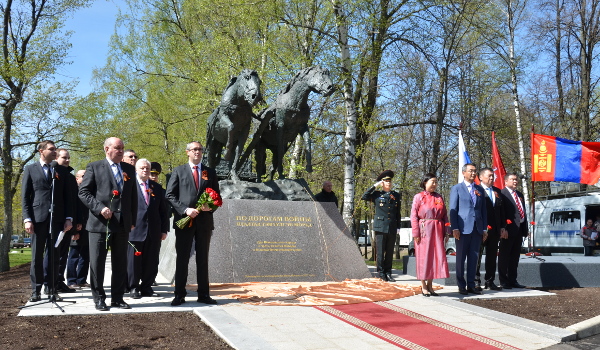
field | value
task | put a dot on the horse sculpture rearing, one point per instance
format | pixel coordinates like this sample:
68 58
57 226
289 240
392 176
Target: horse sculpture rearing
288 117
229 124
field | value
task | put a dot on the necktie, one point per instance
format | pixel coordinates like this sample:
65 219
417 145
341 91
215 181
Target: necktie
47 172
491 194
518 201
472 192
118 176
196 178
146 197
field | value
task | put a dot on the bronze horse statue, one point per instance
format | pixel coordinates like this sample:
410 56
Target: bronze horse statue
229 124
286 118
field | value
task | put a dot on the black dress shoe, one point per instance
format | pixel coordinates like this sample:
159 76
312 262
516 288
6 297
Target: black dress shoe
55 296
463 291
478 287
101 306
120 304
390 278
506 286
473 291
383 277
135 295
177 301
492 286
518 285
35 296
62 288
207 300
150 294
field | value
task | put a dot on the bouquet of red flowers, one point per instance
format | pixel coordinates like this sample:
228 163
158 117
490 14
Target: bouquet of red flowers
210 197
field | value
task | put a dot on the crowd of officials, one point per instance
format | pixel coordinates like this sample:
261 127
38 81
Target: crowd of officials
115 202
479 216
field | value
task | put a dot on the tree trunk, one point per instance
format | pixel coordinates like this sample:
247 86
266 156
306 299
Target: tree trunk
295 156
351 115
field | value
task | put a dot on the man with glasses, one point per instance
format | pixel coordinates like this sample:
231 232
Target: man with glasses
129 156
468 219
385 222
185 186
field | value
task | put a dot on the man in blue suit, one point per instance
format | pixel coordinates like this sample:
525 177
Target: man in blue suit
468 219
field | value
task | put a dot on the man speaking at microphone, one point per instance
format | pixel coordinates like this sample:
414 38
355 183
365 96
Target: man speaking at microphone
45 184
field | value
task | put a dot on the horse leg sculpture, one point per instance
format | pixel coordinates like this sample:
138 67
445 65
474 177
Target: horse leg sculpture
305 132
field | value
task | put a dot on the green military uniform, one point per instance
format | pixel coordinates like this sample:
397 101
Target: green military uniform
385 223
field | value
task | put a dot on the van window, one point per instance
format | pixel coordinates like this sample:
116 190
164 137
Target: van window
404 224
565 223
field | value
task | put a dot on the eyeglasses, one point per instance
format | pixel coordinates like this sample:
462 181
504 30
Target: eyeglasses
134 157
195 149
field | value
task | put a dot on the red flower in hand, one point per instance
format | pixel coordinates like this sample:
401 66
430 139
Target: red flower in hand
509 221
447 224
115 193
137 253
489 227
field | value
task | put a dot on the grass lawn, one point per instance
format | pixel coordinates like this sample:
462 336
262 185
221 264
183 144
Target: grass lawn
396 264
19 256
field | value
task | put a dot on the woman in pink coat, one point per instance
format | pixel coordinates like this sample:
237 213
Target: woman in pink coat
430 223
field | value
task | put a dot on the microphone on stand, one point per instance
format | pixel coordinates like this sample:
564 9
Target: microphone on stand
53 166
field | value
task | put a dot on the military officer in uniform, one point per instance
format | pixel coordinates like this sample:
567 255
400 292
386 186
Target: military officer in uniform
386 221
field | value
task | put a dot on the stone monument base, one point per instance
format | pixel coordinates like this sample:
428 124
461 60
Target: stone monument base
275 241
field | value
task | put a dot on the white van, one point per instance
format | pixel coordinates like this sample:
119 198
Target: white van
559 219
404 235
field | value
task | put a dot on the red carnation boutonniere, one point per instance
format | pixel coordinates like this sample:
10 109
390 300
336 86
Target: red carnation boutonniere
509 221
489 227
115 193
204 175
125 176
477 193
56 176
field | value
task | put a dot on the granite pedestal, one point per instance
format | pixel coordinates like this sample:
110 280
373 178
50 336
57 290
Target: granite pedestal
275 241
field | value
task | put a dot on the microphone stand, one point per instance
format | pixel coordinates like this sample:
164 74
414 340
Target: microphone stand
51 251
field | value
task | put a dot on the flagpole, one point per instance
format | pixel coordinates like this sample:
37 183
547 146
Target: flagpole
532 206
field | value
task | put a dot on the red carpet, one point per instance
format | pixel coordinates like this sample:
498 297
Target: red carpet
409 330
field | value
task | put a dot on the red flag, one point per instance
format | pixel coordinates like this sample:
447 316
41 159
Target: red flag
497 165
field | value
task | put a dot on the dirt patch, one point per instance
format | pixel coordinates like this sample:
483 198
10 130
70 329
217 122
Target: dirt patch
568 307
169 330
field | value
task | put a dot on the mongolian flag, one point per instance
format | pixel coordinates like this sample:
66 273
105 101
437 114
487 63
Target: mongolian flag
497 165
556 159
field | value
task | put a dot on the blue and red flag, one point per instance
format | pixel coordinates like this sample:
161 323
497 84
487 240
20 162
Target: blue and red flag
557 159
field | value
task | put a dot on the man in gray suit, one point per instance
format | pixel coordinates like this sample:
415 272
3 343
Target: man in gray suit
41 182
185 186
468 220
109 191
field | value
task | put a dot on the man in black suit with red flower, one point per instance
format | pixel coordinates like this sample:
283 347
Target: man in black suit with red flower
185 186
108 190
151 227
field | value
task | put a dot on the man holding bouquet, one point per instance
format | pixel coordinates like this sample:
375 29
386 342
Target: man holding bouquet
185 188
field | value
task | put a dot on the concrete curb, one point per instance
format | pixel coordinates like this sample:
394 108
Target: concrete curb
586 328
541 329
232 331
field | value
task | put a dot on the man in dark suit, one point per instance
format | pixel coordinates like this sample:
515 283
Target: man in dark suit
41 181
185 186
78 262
496 224
327 194
385 222
468 219
150 228
109 191
516 230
